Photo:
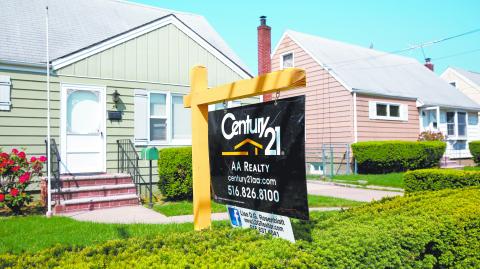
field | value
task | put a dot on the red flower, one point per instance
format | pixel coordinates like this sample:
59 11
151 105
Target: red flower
4 155
15 151
33 159
14 192
24 178
15 168
10 162
22 155
2 197
43 159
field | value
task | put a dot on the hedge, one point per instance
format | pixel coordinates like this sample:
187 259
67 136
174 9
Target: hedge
437 179
175 173
396 156
428 230
474 147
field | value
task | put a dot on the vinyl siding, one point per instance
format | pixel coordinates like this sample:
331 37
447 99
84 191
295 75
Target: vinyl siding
329 113
374 129
467 88
159 60
165 55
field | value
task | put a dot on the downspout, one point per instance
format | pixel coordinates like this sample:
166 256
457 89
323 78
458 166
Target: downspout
355 127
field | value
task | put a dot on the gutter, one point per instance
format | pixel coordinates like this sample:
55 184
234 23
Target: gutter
36 68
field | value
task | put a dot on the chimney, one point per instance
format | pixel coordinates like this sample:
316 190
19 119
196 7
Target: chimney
428 63
264 50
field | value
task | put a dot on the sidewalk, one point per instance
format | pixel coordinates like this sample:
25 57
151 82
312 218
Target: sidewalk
140 214
357 194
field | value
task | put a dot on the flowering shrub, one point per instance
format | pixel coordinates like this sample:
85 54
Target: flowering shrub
16 171
431 136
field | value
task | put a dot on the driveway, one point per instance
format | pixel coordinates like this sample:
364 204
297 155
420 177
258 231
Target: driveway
357 194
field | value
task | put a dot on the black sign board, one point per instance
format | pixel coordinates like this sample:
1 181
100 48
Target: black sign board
257 157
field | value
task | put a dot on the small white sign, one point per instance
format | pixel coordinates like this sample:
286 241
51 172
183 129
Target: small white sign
265 223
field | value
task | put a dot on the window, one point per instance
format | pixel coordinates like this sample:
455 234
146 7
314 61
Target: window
387 111
169 122
453 83
181 119
462 123
158 117
429 118
473 118
287 60
450 123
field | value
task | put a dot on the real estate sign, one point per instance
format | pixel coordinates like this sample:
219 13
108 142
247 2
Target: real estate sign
257 157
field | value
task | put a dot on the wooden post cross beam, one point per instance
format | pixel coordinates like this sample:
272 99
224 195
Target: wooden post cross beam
199 99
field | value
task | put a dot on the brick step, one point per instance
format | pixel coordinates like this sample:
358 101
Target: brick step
94 180
92 203
93 191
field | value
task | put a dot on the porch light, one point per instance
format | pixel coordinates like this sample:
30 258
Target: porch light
115 97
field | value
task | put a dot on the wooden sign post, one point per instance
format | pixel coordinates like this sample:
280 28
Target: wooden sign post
199 99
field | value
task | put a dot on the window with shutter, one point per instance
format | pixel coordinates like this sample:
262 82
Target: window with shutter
5 93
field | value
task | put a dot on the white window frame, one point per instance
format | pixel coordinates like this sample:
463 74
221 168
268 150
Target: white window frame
283 55
401 108
169 121
455 135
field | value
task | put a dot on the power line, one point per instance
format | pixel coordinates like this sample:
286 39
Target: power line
456 54
424 44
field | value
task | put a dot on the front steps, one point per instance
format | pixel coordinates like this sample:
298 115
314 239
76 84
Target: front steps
90 192
448 163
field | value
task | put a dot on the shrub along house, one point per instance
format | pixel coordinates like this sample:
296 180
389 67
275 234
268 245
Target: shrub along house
129 60
361 94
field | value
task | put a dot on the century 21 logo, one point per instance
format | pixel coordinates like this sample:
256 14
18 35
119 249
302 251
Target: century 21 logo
251 126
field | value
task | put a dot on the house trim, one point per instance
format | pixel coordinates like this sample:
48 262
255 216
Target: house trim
136 32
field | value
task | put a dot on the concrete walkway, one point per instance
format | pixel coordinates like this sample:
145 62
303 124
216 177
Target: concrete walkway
357 194
140 214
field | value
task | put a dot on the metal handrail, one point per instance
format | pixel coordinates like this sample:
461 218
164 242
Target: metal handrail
127 162
54 160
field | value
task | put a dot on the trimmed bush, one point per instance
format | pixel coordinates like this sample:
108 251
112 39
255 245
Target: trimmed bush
427 230
438 179
474 147
375 157
175 173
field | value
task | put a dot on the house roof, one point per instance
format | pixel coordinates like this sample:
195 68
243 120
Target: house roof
375 72
75 25
473 76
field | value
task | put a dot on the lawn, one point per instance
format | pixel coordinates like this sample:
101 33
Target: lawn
33 233
387 180
427 230
186 207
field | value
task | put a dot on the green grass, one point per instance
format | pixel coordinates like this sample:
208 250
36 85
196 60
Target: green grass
471 168
170 209
179 208
386 180
33 233
325 201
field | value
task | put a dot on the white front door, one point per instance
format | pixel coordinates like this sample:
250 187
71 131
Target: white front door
83 129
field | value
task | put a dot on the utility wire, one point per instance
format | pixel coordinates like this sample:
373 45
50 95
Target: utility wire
425 44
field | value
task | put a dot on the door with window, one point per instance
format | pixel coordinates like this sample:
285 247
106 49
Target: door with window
83 129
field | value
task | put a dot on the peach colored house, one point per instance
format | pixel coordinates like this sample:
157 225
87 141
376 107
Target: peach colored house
360 94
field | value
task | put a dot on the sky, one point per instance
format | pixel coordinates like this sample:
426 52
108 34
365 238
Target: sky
389 25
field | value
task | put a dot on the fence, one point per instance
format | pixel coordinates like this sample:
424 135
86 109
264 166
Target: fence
328 160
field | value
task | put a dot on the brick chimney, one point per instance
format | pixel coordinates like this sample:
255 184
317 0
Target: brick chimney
428 64
264 50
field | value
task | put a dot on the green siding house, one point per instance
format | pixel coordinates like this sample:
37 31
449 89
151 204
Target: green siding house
105 56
